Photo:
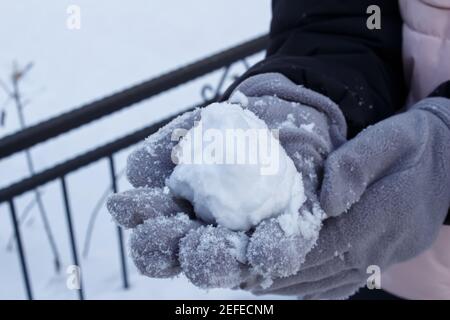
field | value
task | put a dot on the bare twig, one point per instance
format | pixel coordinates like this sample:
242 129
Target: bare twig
4 104
98 206
17 75
5 88
22 219
2 117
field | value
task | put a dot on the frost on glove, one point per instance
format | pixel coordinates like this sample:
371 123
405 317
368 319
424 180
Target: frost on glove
164 242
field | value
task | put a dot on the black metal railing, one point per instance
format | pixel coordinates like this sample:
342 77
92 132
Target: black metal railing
80 116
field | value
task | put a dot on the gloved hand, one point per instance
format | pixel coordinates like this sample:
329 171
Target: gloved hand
166 237
389 190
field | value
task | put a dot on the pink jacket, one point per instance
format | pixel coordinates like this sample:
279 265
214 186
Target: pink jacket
426 56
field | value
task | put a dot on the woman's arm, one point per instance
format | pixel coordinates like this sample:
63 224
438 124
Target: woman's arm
326 46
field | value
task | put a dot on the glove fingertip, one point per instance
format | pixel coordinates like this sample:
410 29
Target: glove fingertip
139 166
121 210
155 244
212 257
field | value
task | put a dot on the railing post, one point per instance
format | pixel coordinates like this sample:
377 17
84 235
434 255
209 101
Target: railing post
123 262
73 245
23 263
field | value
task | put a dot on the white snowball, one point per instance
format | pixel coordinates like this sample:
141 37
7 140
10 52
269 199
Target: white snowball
235 195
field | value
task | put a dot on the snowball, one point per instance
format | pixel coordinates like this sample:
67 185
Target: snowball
234 171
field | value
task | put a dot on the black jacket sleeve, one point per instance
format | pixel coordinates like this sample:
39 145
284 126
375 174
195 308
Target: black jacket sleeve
326 46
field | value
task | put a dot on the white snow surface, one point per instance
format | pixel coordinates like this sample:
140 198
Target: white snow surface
236 195
306 223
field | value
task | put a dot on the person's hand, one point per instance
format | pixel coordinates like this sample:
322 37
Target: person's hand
167 239
389 190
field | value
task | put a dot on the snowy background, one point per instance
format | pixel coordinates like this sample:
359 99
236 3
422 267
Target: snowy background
119 44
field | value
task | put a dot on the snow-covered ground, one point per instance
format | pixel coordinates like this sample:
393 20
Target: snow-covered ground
118 45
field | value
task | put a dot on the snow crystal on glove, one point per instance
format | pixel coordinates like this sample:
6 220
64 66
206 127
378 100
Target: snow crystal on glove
213 257
154 244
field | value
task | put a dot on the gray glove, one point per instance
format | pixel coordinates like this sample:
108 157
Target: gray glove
165 241
393 183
